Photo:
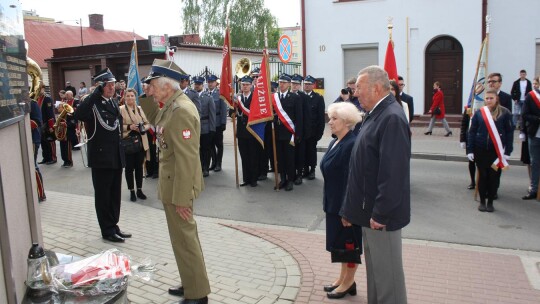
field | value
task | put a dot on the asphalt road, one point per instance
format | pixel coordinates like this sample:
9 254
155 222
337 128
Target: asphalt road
442 207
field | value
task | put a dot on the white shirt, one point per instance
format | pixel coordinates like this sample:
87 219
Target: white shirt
378 103
523 88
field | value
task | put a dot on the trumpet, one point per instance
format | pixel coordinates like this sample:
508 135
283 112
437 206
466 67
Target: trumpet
242 67
60 127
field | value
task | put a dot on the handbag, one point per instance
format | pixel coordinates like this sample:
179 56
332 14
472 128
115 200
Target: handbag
347 255
437 111
132 143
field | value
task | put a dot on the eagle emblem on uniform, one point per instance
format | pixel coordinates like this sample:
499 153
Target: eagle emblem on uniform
186 134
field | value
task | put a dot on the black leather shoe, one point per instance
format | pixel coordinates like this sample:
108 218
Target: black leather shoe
471 186
282 184
123 234
177 291
115 238
289 186
195 301
448 134
52 162
489 208
217 169
330 288
140 194
496 196
338 295
132 196
428 133
298 180
262 177
482 207
244 184
311 175
529 196
43 162
205 173
254 184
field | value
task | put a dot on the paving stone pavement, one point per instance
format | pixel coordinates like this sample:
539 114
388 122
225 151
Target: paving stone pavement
255 263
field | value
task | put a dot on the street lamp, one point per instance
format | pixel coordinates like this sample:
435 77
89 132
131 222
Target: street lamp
79 22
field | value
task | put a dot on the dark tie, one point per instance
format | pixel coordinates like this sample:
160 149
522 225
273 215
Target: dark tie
282 96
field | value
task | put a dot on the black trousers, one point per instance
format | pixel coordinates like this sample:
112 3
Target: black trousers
107 195
311 152
205 150
217 148
488 180
249 152
48 149
152 164
300 156
66 146
285 156
268 147
134 163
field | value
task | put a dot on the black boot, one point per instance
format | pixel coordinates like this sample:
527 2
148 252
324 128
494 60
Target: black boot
140 194
311 175
133 198
218 167
482 206
489 207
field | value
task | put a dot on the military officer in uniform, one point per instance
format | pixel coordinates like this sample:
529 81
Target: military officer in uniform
184 86
106 155
249 147
180 175
300 146
48 142
288 122
221 123
315 124
208 123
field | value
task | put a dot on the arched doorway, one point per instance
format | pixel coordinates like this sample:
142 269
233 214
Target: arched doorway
444 63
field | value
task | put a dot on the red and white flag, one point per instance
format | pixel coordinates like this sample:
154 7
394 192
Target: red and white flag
390 62
225 84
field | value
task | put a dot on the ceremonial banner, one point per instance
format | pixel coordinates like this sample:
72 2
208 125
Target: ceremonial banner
260 108
134 81
476 96
225 85
390 62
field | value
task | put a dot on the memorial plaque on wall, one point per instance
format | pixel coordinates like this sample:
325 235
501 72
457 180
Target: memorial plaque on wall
14 95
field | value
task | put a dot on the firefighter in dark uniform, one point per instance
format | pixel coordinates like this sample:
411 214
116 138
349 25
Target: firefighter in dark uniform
300 146
288 121
105 153
221 123
71 139
48 140
315 124
208 123
249 147
263 156
35 126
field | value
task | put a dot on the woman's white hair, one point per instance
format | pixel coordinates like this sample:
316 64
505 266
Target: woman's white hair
347 112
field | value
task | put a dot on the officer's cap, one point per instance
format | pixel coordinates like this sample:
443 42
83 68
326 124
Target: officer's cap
212 77
256 72
246 79
296 78
309 80
104 75
166 68
274 84
198 79
284 78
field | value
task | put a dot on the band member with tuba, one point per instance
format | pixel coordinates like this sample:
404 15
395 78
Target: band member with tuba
48 139
66 128
105 153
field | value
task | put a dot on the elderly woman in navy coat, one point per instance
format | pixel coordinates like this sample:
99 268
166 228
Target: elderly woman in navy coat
335 170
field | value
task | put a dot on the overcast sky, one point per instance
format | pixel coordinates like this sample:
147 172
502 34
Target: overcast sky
144 17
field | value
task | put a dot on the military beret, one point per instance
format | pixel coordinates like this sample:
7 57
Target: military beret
165 68
104 75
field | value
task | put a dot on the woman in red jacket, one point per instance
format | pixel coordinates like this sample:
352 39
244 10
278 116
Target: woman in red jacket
438 103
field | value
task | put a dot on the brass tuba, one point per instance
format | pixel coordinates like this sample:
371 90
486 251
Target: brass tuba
242 67
60 126
33 69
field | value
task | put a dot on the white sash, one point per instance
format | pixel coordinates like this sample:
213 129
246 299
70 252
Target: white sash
242 106
500 162
283 116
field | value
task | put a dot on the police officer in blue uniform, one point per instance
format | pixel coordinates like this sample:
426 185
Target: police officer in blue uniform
315 124
221 123
291 107
184 86
207 114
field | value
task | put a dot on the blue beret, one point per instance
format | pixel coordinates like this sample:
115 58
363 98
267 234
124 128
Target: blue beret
310 79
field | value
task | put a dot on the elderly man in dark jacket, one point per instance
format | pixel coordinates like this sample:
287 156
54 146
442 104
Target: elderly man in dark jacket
378 192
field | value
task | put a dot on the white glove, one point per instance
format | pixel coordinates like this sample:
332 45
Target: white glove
462 145
522 136
507 157
470 156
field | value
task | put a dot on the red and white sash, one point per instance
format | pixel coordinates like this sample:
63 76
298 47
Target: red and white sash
242 106
500 162
535 97
283 116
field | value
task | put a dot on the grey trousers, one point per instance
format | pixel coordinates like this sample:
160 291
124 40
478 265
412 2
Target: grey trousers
384 267
444 122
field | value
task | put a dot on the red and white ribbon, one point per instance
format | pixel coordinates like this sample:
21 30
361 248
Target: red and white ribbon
243 107
500 162
283 117
535 97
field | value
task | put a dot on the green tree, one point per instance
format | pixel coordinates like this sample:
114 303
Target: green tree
247 20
